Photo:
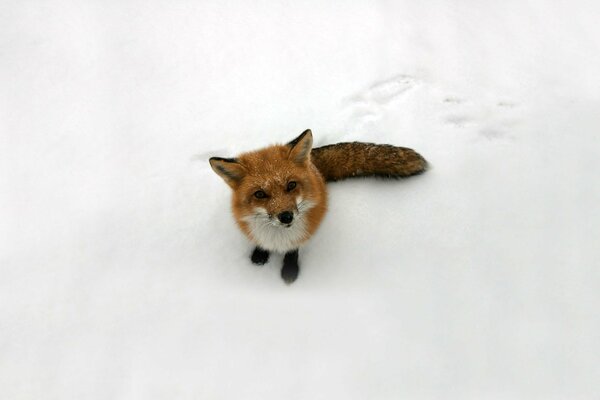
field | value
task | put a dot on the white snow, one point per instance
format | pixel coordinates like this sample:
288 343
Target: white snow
123 275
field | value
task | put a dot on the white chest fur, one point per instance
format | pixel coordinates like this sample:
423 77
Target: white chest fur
272 235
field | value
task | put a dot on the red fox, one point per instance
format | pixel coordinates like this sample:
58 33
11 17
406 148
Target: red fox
279 193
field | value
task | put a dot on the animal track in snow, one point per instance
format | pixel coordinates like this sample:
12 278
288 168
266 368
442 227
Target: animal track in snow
385 91
368 106
459 120
506 104
490 121
461 115
395 101
453 100
491 133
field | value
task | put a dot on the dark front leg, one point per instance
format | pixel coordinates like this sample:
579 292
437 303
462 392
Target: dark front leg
290 269
260 256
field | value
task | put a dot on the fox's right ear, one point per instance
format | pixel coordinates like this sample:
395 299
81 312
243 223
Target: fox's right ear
301 147
229 169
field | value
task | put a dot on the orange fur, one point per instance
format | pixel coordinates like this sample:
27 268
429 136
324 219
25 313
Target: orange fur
271 169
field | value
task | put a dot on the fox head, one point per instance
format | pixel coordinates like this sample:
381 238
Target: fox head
274 191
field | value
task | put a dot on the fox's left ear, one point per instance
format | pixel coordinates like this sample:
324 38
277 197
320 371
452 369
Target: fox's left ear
301 147
229 169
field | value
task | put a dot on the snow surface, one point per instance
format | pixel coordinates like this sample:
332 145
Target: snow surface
123 275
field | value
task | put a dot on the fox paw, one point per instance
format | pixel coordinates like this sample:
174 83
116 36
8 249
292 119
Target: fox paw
259 256
290 269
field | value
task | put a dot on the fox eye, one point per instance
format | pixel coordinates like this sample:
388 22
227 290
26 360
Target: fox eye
291 186
259 194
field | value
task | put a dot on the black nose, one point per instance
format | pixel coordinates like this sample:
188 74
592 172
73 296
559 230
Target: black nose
286 217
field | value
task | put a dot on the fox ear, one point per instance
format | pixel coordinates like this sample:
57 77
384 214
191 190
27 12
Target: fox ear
229 169
301 147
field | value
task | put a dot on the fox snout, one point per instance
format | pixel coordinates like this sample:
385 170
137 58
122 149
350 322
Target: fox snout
275 218
285 217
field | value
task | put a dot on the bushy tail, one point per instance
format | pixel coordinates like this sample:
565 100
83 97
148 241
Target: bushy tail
347 160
